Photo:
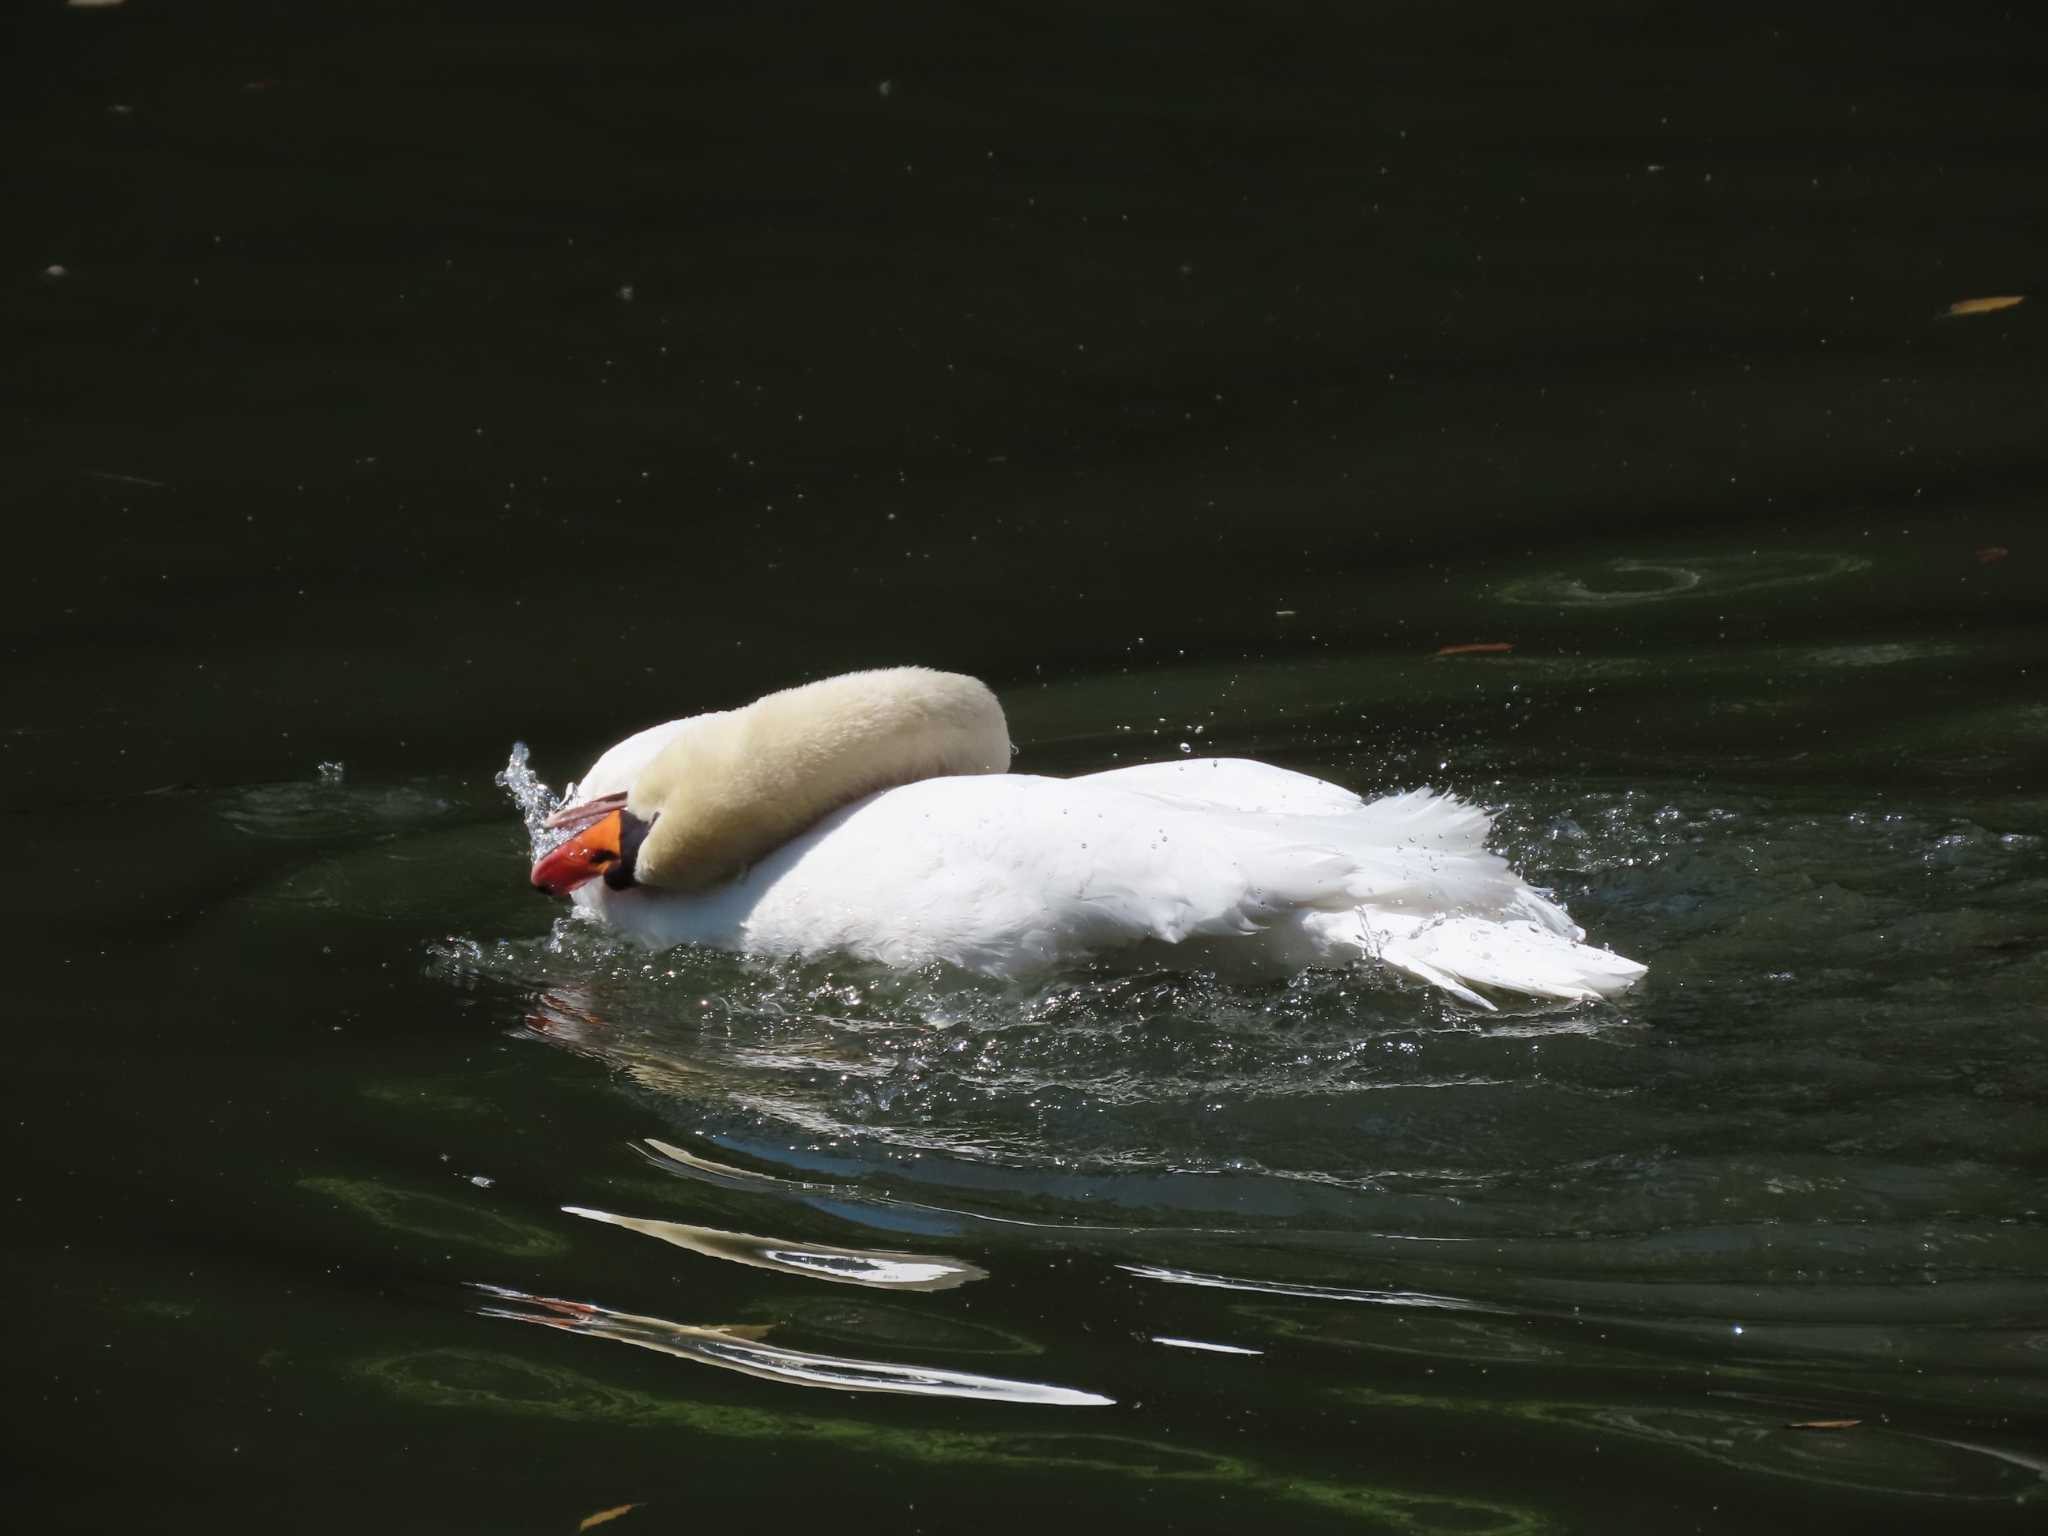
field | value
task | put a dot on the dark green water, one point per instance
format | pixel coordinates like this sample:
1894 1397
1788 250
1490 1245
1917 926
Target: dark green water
418 379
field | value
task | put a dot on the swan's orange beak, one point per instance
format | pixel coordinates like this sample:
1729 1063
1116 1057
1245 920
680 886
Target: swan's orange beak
581 859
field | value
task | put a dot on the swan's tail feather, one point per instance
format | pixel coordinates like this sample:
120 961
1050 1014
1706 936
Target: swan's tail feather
1517 954
1424 817
1407 880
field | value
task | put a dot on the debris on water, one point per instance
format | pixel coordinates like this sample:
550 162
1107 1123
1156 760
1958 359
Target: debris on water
1477 648
1825 1424
332 772
1991 554
1983 306
606 1514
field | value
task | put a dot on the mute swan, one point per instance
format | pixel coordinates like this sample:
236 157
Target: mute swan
874 814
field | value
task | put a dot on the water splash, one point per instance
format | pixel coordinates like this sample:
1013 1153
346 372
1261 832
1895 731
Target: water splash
1105 1072
533 799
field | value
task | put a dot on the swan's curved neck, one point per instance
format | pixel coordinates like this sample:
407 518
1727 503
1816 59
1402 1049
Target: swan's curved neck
743 784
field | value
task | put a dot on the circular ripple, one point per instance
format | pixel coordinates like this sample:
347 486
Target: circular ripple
1625 580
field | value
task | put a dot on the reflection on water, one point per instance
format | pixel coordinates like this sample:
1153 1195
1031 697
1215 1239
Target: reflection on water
813 1261
909 1326
1204 1346
1306 1292
737 1348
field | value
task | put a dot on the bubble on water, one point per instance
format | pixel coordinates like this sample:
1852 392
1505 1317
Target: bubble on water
332 772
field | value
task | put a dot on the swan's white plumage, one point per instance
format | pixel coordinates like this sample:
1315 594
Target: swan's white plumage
1254 866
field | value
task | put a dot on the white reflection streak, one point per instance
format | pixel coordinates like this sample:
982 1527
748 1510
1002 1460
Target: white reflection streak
819 1261
736 1349
1308 1292
1205 1346
673 1159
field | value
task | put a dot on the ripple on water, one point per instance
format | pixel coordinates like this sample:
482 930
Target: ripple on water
477 1381
326 809
1773 1441
465 1224
1626 581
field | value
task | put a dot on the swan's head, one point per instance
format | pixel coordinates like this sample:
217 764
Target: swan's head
740 785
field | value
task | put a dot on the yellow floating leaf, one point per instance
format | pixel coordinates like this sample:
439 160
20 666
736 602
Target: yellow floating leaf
606 1514
1984 306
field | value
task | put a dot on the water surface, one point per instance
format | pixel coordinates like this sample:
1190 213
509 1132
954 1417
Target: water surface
414 385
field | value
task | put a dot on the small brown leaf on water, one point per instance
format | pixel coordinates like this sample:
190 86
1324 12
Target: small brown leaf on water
1991 554
1983 306
1478 648
1825 1424
606 1514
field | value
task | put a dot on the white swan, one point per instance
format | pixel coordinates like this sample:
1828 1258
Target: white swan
874 814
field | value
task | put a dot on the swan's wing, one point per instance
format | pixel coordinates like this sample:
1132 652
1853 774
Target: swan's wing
1230 784
1009 873
1417 818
